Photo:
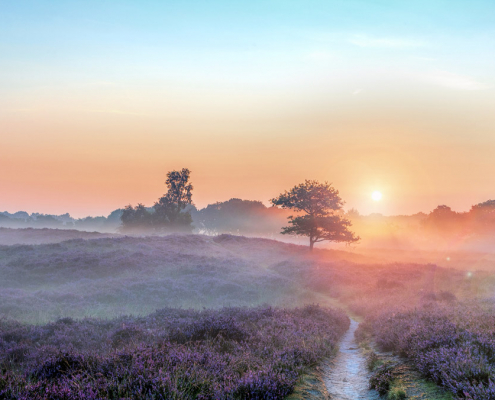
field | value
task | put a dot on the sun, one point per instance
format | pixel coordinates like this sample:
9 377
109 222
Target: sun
376 195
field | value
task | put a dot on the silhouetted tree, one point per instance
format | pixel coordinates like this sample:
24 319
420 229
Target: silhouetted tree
90 223
319 203
138 218
482 216
353 213
47 221
445 220
170 213
113 220
239 217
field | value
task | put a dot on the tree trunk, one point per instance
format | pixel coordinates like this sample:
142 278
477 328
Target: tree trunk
311 243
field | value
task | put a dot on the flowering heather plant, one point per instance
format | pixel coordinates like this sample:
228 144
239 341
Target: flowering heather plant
232 353
452 345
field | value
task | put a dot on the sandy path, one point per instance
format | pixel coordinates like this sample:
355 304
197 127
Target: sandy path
346 377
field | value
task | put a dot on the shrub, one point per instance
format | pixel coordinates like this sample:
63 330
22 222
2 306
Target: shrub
207 328
372 361
60 366
447 296
126 336
381 378
397 392
451 345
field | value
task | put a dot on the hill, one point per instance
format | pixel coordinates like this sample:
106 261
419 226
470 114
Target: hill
11 236
112 276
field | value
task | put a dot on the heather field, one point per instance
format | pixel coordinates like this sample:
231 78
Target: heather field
10 236
192 316
444 330
108 277
453 345
232 353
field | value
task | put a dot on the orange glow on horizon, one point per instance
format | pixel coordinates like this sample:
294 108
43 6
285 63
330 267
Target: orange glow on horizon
90 163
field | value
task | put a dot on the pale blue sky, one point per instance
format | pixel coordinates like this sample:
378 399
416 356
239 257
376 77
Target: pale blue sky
52 42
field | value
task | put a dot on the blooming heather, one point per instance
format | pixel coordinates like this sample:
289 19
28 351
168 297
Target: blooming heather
452 345
232 353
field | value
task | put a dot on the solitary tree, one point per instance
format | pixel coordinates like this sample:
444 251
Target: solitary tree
318 203
170 211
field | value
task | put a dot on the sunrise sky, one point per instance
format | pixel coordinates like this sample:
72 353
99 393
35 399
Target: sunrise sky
99 99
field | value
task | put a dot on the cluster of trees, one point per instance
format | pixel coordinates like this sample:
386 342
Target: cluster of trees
22 219
237 216
479 219
318 207
169 213
318 210
313 210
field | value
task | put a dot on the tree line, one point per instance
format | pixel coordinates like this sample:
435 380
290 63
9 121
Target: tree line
317 207
479 219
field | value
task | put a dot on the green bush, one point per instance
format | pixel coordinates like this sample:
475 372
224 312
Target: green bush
373 361
397 392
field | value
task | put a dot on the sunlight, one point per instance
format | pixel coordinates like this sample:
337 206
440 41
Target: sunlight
376 195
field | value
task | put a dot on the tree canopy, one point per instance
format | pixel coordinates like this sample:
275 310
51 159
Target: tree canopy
239 217
318 205
169 211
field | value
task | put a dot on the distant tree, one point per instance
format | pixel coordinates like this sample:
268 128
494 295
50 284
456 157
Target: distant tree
444 220
239 216
170 209
47 221
113 220
90 223
487 207
169 212
482 215
319 204
352 213
136 218
114 216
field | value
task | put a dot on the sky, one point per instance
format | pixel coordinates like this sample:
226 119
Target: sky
100 99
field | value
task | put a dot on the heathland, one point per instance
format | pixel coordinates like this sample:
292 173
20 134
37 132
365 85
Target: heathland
90 315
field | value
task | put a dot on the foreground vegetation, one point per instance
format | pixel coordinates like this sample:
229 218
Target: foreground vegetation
171 354
452 345
438 319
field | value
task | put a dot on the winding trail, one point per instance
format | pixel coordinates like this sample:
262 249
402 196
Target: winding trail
346 377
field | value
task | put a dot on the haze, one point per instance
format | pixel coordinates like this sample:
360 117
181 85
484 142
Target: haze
226 200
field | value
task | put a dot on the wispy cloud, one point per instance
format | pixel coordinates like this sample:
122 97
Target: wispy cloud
373 41
454 81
